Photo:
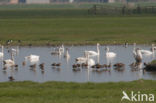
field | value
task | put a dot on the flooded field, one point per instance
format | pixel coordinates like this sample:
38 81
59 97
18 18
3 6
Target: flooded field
65 71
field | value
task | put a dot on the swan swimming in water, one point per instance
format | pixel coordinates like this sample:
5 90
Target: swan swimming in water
81 59
153 47
66 55
56 51
15 51
90 62
32 57
110 54
10 62
60 49
145 52
137 55
93 53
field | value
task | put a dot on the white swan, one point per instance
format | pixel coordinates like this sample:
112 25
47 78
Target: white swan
32 57
81 59
148 52
67 55
56 51
153 47
137 55
93 53
90 62
62 48
110 54
145 52
10 62
2 52
15 50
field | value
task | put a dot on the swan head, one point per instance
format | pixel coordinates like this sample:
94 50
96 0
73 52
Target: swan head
85 53
107 48
152 49
137 49
62 46
98 44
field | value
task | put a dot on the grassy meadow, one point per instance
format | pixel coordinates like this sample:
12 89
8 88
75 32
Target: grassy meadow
60 92
71 24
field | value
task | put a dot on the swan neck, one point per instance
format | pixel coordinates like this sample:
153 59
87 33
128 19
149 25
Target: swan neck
139 53
87 57
2 49
12 56
98 51
85 54
152 49
107 49
67 53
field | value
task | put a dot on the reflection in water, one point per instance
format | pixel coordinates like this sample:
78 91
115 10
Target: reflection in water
98 59
137 67
40 72
110 60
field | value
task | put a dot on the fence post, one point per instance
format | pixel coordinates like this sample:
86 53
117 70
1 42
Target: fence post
95 8
123 10
138 9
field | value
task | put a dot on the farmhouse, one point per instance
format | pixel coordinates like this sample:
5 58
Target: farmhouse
37 1
13 1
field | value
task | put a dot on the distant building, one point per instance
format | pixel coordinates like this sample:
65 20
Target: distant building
71 1
62 1
22 1
111 1
13 1
37 1
4 1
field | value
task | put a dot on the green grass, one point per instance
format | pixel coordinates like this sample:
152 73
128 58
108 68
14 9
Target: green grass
80 30
38 24
61 92
153 62
57 6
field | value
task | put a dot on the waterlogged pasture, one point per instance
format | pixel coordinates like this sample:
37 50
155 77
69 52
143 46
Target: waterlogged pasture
65 71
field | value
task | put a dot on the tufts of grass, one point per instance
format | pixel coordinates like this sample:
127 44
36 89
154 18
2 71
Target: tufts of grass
106 30
62 92
153 62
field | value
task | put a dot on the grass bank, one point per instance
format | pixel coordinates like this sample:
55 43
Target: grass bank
106 30
61 92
